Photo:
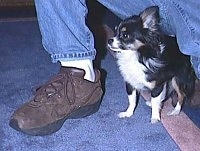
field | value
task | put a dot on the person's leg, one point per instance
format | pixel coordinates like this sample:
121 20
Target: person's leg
124 9
75 91
185 25
65 35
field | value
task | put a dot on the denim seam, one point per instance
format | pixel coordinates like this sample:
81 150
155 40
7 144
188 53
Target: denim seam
88 34
165 15
185 19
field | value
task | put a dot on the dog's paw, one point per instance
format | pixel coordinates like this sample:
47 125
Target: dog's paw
125 114
173 113
154 121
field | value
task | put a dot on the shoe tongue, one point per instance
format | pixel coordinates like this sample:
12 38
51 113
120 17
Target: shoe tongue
73 71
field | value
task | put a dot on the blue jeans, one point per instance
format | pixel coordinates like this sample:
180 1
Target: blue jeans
66 36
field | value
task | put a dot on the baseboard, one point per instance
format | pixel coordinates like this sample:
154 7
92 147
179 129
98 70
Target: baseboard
16 3
16 10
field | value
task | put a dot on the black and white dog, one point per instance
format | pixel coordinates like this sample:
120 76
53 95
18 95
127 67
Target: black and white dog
147 59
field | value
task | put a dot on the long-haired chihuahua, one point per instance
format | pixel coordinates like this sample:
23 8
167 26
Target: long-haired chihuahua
148 59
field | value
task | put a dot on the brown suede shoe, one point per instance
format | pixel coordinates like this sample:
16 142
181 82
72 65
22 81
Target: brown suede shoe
65 96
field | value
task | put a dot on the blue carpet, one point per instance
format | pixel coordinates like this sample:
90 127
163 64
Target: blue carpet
24 64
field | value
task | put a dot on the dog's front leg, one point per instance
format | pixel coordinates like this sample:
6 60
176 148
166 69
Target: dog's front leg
132 97
158 94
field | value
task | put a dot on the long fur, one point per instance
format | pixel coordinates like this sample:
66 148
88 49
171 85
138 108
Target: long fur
147 59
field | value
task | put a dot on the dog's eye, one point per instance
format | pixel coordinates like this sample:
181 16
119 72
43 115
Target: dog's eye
125 36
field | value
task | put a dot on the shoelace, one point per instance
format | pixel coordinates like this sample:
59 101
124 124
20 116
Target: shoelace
53 86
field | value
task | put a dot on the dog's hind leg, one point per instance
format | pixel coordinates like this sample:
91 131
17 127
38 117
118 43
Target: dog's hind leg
157 96
132 97
180 97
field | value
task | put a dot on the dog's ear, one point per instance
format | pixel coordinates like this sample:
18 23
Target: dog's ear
150 18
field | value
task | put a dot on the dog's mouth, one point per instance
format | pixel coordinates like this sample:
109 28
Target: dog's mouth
114 49
113 46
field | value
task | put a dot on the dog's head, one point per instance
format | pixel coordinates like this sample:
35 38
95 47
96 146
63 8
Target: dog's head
136 31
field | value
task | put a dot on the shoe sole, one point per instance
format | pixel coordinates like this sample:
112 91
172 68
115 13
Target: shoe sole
55 126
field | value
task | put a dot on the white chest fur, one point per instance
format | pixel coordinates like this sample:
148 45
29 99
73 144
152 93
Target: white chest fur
132 71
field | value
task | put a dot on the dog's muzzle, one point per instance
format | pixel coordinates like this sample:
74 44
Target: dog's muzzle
111 46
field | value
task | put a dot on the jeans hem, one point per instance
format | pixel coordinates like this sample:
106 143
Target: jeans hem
73 56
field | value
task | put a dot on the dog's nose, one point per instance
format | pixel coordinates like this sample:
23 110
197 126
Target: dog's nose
110 41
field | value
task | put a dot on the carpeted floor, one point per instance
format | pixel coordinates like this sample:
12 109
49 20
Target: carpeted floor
24 65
